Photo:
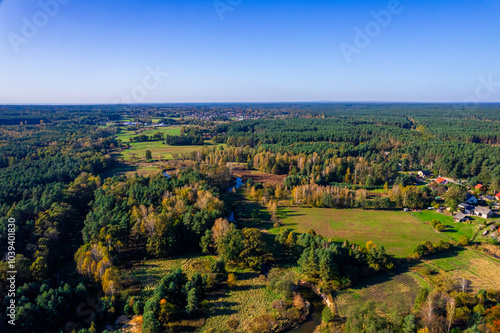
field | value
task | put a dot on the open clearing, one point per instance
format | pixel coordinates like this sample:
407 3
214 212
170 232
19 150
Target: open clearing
242 302
390 292
482 270
157 148
398 232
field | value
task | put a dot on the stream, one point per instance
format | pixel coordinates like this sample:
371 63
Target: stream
317 305
314 318
237 184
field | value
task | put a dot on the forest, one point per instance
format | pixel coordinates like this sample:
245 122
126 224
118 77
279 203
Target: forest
82 226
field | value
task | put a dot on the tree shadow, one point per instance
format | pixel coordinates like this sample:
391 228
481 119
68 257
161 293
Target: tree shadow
224 310
453 252
245 287
246 276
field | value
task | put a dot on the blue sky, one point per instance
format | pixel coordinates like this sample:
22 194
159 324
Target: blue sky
104 51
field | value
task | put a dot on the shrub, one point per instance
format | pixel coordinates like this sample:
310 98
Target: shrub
463 241
327 315
231 280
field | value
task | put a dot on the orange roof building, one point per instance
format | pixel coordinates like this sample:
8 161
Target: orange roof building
441 180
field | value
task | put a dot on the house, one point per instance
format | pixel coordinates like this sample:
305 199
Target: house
441 181
471 199
461 217
480 187
424 174
498 196
489 197
466 208
483 212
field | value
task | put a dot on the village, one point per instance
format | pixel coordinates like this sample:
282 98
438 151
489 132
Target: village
479 202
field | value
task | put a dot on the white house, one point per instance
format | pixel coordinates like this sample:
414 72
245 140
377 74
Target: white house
483 212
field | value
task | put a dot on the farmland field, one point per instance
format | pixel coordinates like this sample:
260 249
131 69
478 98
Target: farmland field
126 134
398 232
389 292
157 148
482 270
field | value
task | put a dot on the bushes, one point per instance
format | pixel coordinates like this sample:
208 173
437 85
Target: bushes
327 315
463 241
281 283
427 248
438 225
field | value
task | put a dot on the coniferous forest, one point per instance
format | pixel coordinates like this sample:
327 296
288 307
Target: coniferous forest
227 218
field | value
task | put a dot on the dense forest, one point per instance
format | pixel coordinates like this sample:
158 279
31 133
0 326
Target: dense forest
80 223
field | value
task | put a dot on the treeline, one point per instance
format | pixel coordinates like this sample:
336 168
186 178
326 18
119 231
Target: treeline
188 136
143 137
440 148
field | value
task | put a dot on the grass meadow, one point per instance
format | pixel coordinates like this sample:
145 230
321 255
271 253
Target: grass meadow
454 230
397 231
242 302
157 148
482 270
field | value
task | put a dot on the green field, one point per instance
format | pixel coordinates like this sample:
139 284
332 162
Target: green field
398 232
479 268
157 148
454 230
126 134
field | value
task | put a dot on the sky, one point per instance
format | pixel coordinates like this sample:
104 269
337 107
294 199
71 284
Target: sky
189 51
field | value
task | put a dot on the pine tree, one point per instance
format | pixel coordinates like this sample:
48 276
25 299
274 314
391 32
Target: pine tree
193 303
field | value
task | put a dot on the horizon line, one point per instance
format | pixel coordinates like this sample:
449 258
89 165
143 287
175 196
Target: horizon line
235 103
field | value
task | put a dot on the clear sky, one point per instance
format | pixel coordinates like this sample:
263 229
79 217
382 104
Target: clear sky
104 51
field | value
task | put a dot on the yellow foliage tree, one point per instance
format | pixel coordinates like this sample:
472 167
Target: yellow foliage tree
111 282
231 280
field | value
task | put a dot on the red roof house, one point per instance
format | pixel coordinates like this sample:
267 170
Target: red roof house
441 180
498 195
479 187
